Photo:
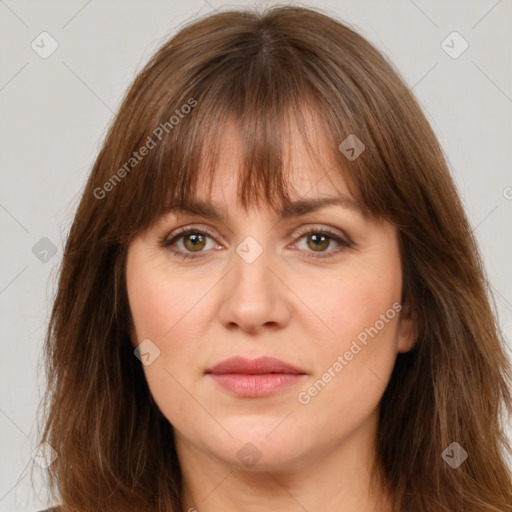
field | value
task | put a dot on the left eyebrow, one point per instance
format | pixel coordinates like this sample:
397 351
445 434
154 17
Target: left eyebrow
295 209
305 206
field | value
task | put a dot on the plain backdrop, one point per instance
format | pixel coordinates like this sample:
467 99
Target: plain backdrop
55 112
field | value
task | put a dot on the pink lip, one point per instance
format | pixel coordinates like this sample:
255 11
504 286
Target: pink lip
252 378
256 366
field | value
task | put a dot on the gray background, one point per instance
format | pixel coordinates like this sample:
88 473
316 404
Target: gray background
55 112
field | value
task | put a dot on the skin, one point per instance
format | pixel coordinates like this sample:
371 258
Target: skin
303 310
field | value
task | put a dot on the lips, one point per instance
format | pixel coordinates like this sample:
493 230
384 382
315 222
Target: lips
258 366
255 378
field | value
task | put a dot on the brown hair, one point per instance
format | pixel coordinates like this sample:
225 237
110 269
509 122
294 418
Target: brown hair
115 448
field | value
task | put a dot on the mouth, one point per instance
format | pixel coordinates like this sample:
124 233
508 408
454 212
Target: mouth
255 378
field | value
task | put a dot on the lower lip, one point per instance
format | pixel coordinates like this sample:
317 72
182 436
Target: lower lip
256 386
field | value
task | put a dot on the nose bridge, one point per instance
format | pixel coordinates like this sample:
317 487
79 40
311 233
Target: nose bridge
251 273
254 296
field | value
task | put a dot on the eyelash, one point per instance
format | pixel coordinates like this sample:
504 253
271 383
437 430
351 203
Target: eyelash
168 243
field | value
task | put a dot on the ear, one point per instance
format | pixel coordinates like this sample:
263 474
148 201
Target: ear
407 329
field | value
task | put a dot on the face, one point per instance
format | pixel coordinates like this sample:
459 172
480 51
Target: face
320 291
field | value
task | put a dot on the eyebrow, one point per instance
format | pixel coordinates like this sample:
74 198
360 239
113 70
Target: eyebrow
294 209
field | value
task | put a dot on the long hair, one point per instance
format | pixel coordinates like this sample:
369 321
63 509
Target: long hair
115 448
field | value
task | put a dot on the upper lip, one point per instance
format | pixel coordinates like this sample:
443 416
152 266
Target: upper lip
256 366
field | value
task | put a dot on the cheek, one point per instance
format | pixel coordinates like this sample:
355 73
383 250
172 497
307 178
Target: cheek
356 345
153 307
167 313
159 299
351 303
173 312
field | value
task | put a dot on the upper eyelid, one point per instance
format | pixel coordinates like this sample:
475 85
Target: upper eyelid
294 233
213 231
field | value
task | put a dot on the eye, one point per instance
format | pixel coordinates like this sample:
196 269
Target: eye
187 242
317 240
190 242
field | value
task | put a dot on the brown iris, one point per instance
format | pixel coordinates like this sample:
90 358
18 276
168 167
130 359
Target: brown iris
319 242
194 241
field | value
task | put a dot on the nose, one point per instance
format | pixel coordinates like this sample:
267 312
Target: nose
254 296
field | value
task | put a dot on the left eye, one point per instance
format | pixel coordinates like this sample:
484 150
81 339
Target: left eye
318 240
190 243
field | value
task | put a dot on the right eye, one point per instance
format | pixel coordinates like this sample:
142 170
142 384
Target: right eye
187 242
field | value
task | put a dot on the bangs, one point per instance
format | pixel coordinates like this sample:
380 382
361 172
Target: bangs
270 124
267 141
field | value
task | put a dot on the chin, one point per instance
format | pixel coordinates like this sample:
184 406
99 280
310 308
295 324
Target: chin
256 450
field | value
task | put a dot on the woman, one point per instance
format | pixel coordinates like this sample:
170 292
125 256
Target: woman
271 296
